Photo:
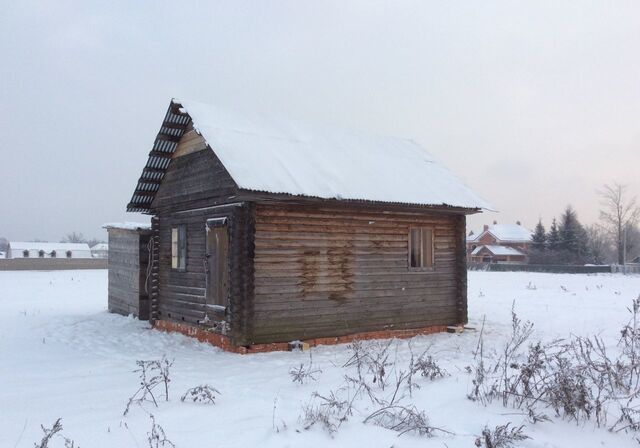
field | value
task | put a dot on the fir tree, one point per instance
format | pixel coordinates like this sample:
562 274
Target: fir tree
539 239
573 237
553 238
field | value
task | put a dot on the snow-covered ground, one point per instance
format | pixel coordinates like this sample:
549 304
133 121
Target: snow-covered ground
62 355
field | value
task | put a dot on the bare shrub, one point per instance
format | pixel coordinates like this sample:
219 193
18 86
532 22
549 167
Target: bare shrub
152 374
630 344
304 373
629 419
49 434
157 438
201 394
327 411
54 431
371 359
374 374
403 419
502 436
577 378
427 367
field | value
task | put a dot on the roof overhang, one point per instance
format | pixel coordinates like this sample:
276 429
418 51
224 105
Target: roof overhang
173 127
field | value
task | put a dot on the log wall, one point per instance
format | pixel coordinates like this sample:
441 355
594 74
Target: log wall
195 188
182 294
329 272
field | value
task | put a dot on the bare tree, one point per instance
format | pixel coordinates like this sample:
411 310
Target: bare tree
598 245
618 213
74 237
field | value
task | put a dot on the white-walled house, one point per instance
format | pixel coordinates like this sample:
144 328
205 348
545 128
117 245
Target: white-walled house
37 249
100 250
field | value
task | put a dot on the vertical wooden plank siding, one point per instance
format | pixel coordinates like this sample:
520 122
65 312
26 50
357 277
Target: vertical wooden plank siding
461 273
127 272
155 269
322 272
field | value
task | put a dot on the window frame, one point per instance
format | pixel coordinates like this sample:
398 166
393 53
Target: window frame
431 265
180 247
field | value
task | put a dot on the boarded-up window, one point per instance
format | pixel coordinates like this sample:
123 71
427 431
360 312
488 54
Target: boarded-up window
421 248
179 248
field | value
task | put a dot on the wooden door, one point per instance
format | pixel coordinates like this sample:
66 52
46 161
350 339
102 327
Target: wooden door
216 264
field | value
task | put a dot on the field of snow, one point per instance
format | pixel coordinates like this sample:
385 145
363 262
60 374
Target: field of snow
63 356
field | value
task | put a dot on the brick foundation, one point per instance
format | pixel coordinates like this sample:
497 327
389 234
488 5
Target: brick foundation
224 342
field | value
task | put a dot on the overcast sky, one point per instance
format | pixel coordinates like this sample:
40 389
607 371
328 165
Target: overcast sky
535 105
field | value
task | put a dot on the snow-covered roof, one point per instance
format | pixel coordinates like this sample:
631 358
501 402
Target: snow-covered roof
48 247
506 232
100 246
267 154
497 250
277 156
127 225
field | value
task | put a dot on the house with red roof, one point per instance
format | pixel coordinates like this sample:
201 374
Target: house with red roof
500 243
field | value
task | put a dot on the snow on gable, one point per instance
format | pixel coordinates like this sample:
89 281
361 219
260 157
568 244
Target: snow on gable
497 250
275 156
127 225
511 232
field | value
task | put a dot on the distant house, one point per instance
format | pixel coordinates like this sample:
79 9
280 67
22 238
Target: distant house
265 231
500 243
100 250
2 254
36 249
636 260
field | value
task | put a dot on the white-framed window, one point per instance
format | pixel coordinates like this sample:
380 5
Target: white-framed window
179 248
421 249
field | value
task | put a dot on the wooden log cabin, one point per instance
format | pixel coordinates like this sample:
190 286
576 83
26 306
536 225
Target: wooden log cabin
266 232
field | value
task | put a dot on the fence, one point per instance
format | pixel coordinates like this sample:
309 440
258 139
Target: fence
626 269
550 268
51 264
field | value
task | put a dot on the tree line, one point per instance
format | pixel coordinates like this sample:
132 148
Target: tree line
615 238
